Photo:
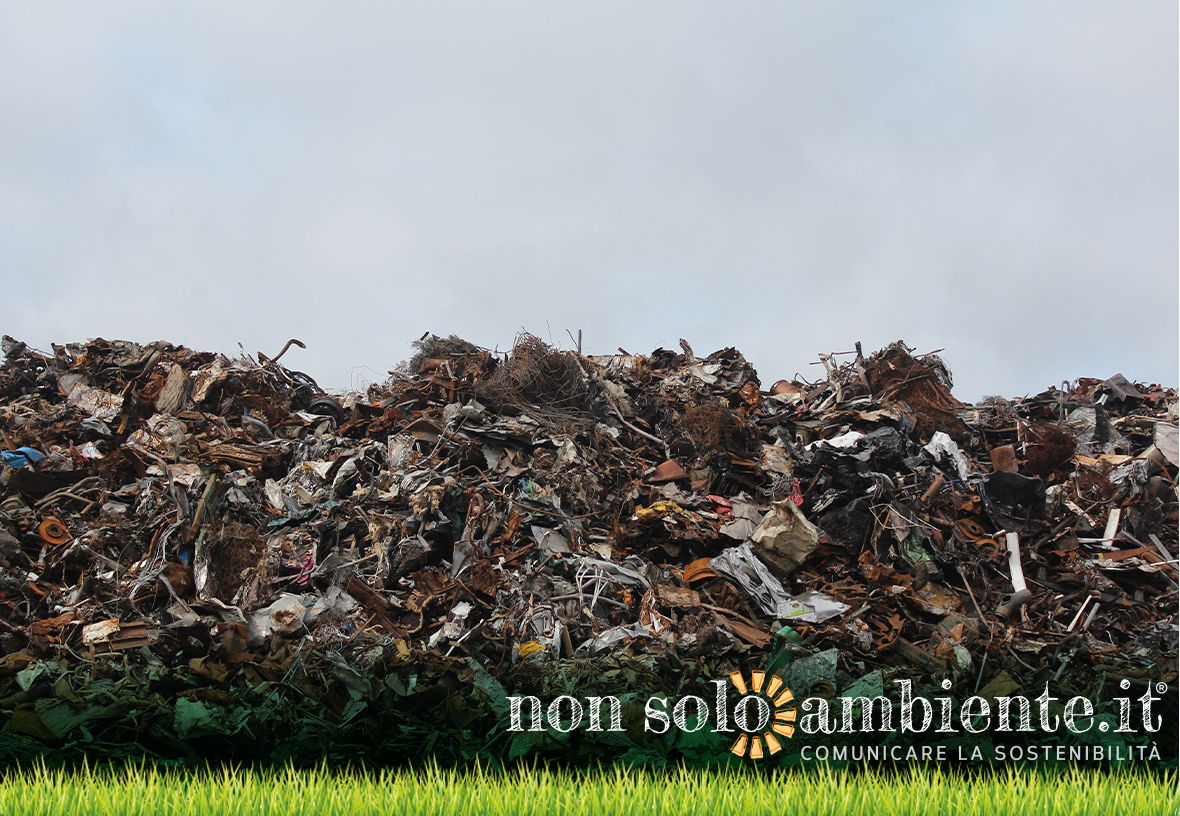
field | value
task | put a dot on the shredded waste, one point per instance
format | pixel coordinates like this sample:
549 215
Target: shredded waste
206 556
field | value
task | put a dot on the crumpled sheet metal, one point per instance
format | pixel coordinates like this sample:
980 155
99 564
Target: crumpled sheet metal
604 640
740 564
95 402
1166 441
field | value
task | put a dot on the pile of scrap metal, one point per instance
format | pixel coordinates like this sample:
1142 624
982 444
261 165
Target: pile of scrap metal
205 556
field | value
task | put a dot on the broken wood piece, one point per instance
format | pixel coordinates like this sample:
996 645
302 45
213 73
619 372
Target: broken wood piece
114 636
372 602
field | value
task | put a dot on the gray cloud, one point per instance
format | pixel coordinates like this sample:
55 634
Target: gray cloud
999 180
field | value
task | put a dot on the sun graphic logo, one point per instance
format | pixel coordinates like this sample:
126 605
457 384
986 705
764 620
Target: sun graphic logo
772 714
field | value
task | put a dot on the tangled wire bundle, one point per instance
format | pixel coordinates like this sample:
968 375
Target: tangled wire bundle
537 378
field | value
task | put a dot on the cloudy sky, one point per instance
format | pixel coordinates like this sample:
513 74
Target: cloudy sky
998 180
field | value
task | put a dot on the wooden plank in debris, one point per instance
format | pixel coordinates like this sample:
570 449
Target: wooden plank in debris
114 636
755 637
679 596
171 399
51 626
131 636
372 602
100 632
237 454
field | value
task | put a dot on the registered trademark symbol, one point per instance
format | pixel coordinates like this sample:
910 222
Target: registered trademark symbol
1160 688
1104 726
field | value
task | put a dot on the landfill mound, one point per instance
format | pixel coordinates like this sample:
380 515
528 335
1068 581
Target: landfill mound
206 557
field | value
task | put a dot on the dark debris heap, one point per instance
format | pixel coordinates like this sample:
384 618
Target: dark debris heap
205 556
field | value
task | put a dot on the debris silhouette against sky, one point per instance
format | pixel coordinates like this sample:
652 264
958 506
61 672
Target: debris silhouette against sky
998 180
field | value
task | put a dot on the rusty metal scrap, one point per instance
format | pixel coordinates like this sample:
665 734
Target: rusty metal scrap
514 512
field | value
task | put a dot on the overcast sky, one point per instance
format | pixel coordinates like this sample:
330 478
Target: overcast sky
998 180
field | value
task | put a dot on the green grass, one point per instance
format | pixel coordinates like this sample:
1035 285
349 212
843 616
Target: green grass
683 793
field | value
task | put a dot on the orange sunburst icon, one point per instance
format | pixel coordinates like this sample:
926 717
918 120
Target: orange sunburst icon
757 746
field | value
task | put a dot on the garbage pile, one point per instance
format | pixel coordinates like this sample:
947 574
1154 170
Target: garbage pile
206 556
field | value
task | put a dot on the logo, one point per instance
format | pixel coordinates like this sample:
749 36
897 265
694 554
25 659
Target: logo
760 740
765 715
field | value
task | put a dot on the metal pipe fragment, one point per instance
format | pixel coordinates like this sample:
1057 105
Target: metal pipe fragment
936 486
1021 594
1014 562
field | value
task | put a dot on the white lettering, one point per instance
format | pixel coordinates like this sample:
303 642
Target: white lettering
616 714
968 716
1043 702
554 714
722 709
514 704
662 714
741 713
908 701
1004 705
866 711
818 722
1147 699
700 713
946 727
1071 715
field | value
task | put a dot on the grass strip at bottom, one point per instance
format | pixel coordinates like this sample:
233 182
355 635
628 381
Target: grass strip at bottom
540 792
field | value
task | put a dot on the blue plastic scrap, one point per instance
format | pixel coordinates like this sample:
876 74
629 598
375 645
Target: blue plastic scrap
22 457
